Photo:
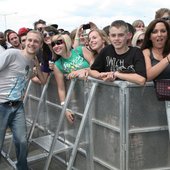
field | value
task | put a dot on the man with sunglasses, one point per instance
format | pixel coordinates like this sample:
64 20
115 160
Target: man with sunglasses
163 13
16 69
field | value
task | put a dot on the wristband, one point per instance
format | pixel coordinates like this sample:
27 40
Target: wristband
168 60
62 103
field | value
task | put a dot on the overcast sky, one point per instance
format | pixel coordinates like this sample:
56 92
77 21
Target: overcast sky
69 14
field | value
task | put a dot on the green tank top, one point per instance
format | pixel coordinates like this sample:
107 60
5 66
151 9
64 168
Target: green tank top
75 62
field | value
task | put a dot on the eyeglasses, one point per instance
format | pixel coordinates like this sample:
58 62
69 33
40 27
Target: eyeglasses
49 34
166 18
57 42
139 41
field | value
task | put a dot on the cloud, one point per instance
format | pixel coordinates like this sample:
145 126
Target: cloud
71 14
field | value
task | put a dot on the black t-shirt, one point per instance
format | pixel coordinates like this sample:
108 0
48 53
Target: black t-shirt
108 60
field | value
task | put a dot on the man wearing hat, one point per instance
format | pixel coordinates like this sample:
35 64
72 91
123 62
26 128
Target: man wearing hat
22 32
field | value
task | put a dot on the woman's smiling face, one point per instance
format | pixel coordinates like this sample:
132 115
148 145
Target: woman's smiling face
58 45
159 35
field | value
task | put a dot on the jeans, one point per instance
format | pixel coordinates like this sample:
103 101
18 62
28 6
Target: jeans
14 118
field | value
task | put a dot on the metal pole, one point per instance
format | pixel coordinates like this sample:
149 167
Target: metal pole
5 22
5 18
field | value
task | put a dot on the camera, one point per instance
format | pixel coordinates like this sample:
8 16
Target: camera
86 26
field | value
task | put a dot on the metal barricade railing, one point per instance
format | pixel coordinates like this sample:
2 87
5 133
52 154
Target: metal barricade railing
123 122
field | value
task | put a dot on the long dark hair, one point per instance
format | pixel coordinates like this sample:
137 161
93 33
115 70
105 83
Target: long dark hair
148 43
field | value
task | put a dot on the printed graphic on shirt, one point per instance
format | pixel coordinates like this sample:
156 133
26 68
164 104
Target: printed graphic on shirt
76 64
17 92
119 65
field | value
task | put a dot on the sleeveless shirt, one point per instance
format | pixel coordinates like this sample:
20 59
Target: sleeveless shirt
165 74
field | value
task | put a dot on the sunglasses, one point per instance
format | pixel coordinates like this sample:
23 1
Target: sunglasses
49 34
139 41
166 18
57 42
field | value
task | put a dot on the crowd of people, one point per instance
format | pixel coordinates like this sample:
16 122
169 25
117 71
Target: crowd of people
121 51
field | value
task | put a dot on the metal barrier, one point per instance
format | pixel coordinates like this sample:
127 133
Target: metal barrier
118 126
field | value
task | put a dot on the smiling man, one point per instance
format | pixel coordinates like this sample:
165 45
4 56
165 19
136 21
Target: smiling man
16 68
118 60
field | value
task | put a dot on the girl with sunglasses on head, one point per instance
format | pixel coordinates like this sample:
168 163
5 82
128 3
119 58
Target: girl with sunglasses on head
46 55
72 63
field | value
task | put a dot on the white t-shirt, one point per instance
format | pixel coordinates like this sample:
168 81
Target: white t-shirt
1 49
15 72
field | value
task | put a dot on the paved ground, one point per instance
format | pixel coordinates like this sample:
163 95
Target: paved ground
4 165
36 165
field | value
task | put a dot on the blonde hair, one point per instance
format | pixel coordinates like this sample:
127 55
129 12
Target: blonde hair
38 33
136 36
102 34
66 38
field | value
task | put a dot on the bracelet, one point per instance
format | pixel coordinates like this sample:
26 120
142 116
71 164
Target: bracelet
77 38
168 60
62 103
